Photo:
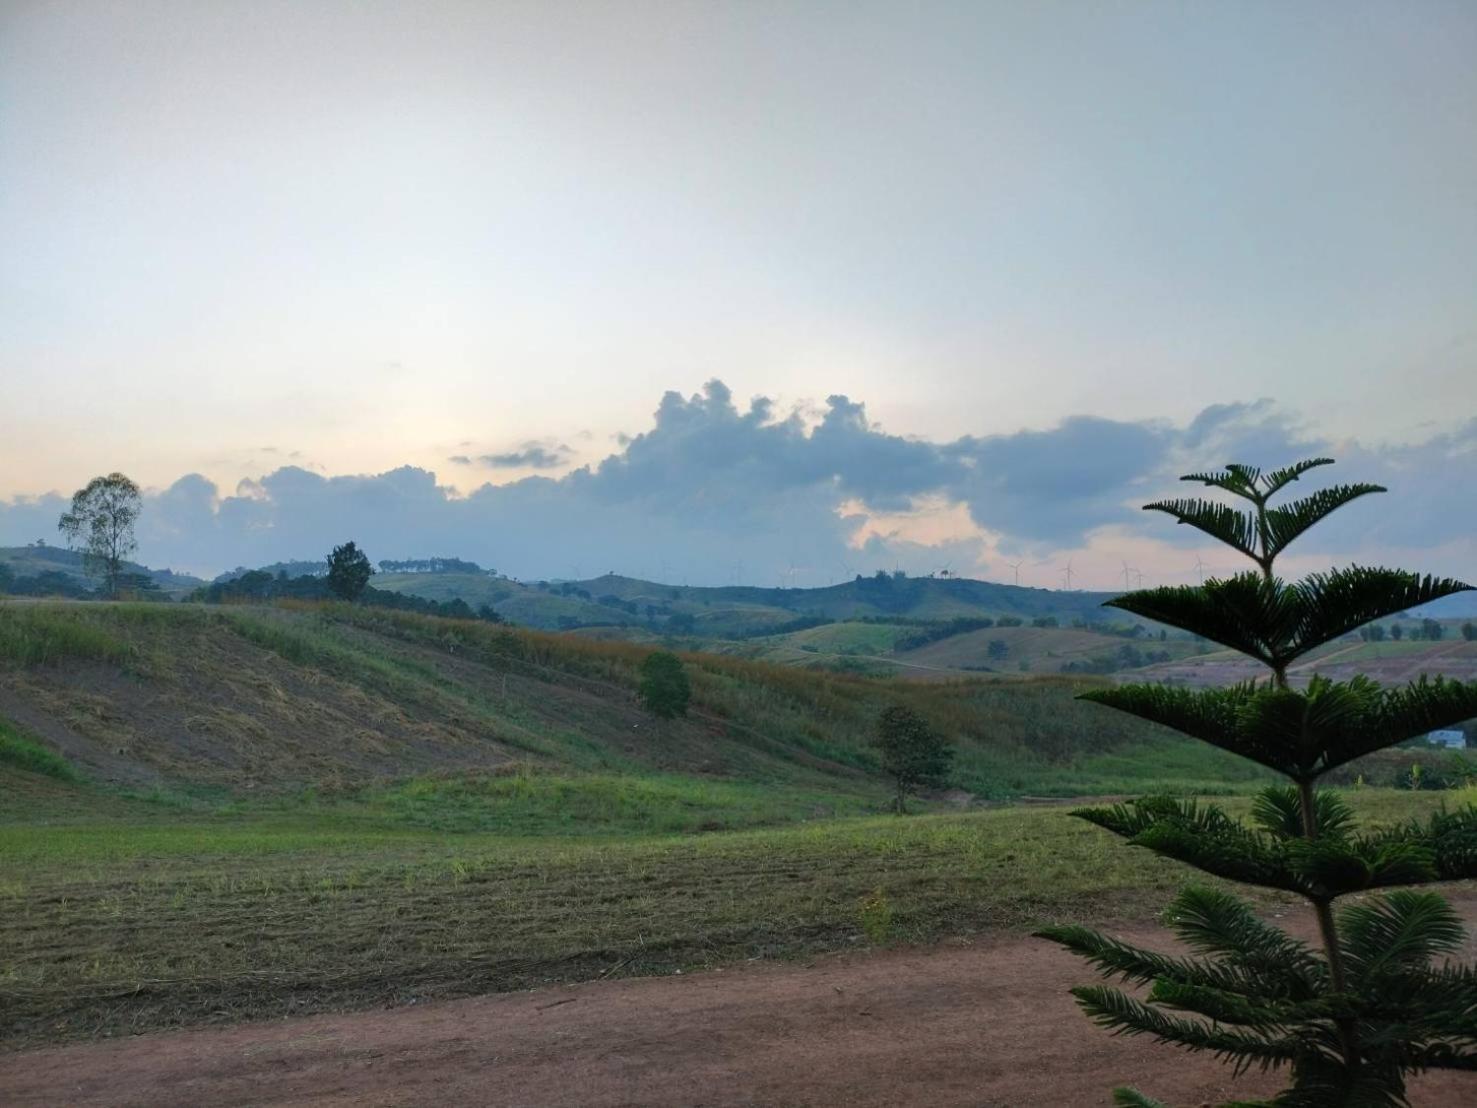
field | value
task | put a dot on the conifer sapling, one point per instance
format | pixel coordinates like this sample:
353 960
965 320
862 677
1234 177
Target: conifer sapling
1348 1019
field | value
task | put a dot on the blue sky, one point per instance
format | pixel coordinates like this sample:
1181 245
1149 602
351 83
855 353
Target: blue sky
348 239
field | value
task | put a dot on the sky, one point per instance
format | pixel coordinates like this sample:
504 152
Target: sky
761 291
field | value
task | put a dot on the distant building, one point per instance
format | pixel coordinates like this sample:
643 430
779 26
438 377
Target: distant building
1452 740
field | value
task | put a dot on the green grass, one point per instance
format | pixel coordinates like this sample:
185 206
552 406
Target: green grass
21 752
34 634
528 802
155 917
126 929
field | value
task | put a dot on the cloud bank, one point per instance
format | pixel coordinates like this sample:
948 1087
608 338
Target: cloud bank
714 493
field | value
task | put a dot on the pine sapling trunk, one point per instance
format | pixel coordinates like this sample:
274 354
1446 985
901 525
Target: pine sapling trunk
1322 907
1328 930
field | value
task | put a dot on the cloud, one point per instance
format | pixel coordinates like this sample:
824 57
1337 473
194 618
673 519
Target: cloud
712 491
532 455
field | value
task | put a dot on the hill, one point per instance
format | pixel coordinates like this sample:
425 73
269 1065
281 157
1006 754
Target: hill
246 699
55 569
1389 663
740 611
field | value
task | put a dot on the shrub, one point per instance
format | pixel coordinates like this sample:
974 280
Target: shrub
665 689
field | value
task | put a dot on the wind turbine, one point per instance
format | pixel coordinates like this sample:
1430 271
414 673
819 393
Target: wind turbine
1126 572
1016 568
1200 568
1067 573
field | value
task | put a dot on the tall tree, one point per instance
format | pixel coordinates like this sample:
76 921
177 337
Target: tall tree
348 572
101 522
1348 1022
912 752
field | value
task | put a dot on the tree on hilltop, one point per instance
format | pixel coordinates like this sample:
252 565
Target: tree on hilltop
101 520
348 572
1349 1021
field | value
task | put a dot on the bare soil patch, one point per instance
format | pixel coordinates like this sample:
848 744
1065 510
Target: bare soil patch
984 1024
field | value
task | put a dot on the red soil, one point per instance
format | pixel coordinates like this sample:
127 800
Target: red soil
988 1024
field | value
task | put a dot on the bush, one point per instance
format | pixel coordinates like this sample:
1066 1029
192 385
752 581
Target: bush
665 690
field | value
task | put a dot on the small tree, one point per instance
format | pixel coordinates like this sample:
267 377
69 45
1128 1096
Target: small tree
348 572
1469 631
998 649
912 752
101 521
665 690
1350 1022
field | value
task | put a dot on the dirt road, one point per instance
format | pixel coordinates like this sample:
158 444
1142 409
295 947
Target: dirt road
988 1024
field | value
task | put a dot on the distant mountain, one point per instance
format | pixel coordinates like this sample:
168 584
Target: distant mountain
1462 605
741 611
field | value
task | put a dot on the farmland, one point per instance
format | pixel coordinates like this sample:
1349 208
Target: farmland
221 813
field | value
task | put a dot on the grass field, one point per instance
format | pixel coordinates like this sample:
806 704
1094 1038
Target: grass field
121 914
219 813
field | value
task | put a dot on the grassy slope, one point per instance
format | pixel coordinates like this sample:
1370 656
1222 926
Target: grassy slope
1385 662
1042 649
333 696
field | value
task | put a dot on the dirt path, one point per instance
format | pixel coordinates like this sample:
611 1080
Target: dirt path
982 1025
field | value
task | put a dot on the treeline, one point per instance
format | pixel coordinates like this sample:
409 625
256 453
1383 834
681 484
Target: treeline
257 586
939 631
430 565
53 582
1428 630
1127 656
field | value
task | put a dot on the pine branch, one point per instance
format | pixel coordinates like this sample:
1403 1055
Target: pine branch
1262 1014
1235 478
1275 622
1449 837
1226 524
1210 921
1279 478
1123 1015
1302 733
1278 810
1286 522
1400 931
1332 604
1134 965
1244 612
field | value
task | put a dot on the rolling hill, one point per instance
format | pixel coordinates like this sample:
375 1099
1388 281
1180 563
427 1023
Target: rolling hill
251 700
56 563
739 611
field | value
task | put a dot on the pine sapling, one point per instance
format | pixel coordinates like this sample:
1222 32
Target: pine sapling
1348 1019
